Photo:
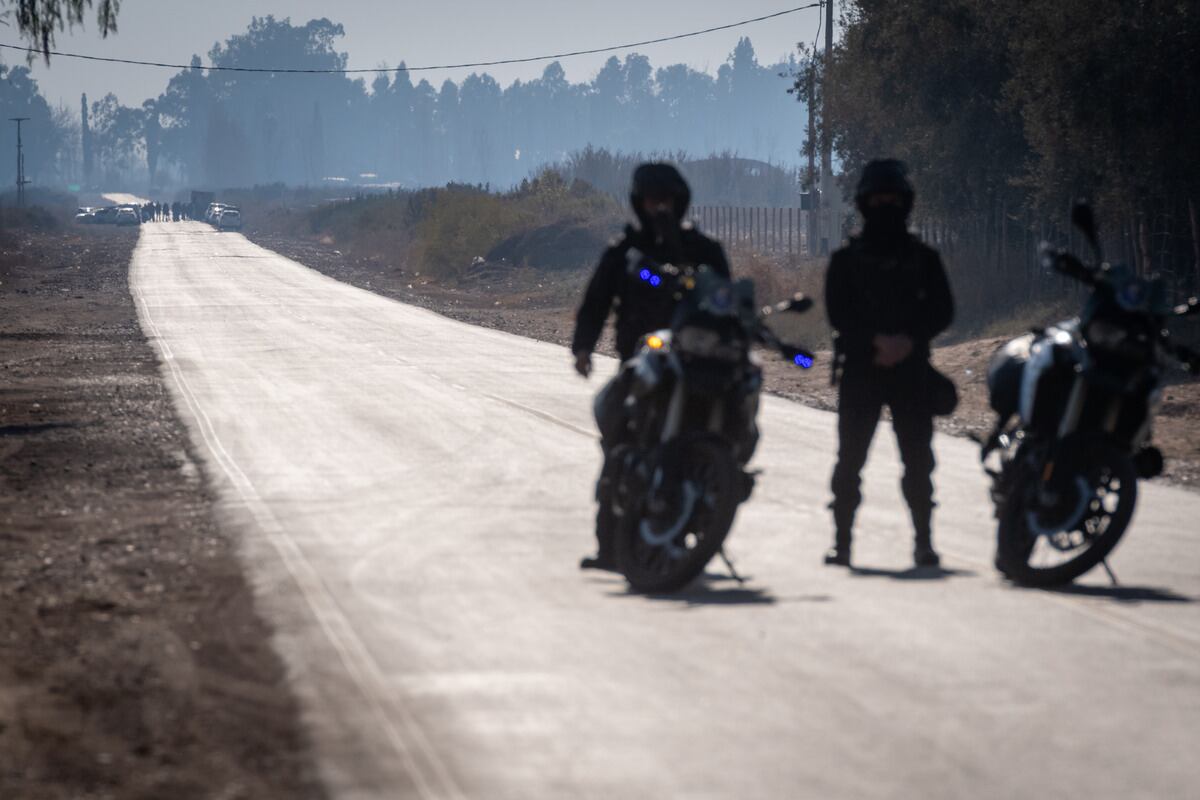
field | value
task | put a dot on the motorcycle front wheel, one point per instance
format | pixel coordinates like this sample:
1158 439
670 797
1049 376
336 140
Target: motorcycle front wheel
673 533
1105 487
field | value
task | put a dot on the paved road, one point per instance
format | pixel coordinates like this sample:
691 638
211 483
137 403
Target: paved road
122 199
414 494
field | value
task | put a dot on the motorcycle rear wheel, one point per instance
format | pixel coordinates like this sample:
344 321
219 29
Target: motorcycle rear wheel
707 462
1112 480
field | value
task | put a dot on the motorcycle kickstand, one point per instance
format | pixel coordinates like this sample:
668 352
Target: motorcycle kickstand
733 573
1108 569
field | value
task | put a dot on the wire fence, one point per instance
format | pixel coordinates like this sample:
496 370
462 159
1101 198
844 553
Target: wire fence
762 229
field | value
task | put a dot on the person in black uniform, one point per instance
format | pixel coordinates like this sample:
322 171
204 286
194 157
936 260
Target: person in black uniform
887 296
660 198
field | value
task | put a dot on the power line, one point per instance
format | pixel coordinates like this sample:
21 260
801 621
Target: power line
499 62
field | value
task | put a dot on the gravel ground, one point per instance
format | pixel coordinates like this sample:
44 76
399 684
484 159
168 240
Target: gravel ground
132 662
541 304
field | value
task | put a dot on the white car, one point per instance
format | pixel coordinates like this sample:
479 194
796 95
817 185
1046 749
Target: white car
127 216
229 219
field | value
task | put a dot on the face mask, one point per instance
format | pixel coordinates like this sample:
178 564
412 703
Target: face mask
885 222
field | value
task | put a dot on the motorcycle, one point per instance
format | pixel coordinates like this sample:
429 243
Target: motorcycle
691 397
1075 404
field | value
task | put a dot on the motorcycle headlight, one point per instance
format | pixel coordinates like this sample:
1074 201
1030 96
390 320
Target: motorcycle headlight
697 341
706 343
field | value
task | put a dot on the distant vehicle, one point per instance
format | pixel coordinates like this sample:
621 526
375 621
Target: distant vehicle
127 216
106 215
86 216
229 219
213 212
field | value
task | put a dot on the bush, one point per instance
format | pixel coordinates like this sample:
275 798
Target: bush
444 230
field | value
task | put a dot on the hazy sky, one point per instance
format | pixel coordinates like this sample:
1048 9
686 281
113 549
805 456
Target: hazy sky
418 32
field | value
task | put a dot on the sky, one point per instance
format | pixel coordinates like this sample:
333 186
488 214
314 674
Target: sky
385 32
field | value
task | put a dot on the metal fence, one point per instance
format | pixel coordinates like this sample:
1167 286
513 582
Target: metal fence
762 229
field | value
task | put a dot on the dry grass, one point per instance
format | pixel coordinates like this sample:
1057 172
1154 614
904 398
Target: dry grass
441 231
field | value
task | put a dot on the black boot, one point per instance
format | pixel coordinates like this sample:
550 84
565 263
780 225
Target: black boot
925 556
605 558
923 553
601 561
843 524
838 555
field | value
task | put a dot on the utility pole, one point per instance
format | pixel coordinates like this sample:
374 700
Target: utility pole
812 236
20 162
829 206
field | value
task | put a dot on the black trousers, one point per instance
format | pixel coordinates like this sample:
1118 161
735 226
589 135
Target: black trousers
864 391
608 408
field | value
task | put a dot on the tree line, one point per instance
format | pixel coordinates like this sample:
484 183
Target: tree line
222 129
1007 111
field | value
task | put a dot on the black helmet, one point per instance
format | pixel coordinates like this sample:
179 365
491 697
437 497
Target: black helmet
659 180
884 176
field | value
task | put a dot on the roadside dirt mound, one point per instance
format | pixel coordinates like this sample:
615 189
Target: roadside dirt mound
132 663
561 246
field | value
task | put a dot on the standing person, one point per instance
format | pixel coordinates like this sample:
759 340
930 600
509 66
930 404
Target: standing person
660 198
887 296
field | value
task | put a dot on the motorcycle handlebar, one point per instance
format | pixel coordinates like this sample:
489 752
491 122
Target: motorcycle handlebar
1188 309
1066 264
794 353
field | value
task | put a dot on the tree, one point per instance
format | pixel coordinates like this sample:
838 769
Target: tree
315 149
1005 112
39 20
152 139
20 97
183 113
117 135
85 136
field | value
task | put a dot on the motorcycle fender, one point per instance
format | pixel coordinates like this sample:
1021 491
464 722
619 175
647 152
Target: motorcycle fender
650 371
1041 358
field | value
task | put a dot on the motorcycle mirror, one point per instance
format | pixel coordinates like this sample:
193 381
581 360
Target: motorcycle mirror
797 305
1188 309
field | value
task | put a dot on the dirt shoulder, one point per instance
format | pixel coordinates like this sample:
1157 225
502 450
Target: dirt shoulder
541 304
132 662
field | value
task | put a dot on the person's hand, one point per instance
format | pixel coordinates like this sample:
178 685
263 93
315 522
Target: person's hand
583 364
891 349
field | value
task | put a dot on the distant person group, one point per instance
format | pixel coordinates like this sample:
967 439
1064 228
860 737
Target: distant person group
167 212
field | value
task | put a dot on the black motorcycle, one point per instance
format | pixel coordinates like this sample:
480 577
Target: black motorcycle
1075 405
691 399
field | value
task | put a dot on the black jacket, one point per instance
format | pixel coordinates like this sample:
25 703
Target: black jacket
641 308
874 289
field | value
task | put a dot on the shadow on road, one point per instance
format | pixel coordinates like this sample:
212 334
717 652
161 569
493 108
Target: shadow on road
911 573
26 430
1125 594
710 590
